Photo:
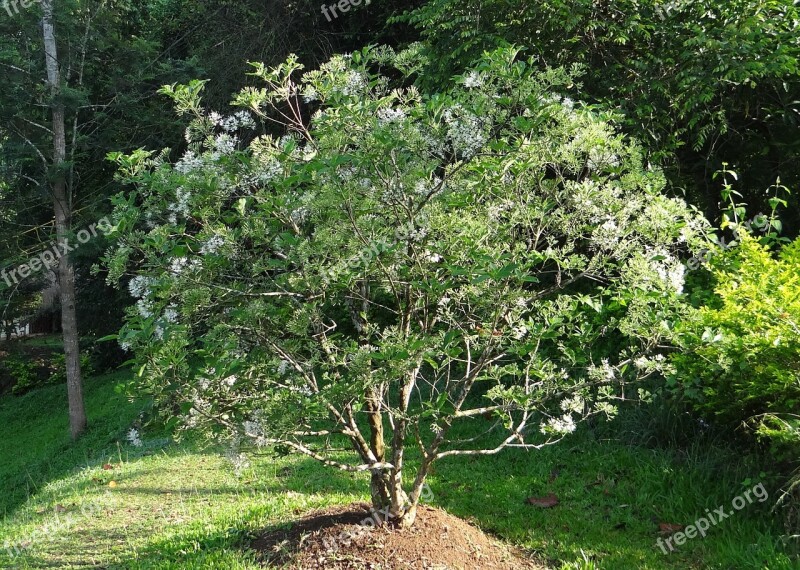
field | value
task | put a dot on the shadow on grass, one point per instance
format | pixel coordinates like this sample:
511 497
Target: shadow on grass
34 436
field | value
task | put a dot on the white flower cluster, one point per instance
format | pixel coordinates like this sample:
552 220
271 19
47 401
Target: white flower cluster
670 270
299 215
696 226
355 85
388 116
240 120
212 245
394 193
239 461
473 80
417 234
465 132
649 365
189 162
180 264
267 170
519 332
134 439
607 370
574 404
180 207
496 210
608 235
255 430
562 425
145 308
139 286
432 257
604 372
224 145
310 94
425 188
171 314
436 146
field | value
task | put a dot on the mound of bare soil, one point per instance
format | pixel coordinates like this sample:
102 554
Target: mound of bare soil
339 539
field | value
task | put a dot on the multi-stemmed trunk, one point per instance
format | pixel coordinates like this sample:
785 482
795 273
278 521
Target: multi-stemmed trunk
62 204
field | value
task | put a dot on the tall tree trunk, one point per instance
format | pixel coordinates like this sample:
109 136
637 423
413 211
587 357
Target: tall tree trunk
62 204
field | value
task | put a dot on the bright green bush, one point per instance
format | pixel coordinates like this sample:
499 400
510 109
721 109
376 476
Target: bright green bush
740 361
24 372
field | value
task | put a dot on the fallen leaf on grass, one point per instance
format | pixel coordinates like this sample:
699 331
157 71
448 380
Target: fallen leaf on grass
108 467
669 529
546 502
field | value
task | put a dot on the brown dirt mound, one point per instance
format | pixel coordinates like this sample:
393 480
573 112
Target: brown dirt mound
338 539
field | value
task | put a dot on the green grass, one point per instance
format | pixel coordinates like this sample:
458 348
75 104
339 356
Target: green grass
54 341
177 507
35 446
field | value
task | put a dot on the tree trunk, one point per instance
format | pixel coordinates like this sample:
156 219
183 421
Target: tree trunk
62 204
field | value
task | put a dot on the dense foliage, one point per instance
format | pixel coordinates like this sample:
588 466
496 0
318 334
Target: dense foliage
707 82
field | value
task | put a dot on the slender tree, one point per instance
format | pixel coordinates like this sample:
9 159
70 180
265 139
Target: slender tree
62 204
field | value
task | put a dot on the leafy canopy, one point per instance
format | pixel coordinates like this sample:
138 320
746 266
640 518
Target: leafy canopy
397 263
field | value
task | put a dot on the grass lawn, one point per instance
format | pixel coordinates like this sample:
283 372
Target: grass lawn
175 506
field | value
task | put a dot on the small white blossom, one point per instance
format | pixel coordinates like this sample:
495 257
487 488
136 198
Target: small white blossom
134 439
465 132
145 308
563 425
246 120
387 116
473 80
356 84
139 286
224 145
267 171
189 162
171 315
310 94
212 245
574 404
608 371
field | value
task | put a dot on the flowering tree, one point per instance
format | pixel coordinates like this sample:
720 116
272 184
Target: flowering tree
396 265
